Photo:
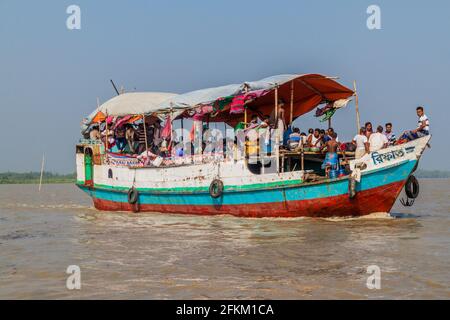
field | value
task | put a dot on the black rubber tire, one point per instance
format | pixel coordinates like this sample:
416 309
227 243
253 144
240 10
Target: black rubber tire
133 196
216 188
351 187
412 188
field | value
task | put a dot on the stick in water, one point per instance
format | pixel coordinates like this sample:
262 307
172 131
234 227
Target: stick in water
42 172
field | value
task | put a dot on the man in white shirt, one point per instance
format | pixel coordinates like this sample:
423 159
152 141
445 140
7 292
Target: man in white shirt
423 127
360 140
377 140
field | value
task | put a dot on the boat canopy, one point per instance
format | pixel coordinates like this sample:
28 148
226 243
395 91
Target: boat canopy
307 90
133 103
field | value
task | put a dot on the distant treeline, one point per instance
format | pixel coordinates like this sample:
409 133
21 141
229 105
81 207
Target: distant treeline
33 177
437 174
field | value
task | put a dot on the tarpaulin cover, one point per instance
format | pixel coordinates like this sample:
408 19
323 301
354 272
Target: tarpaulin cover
310 90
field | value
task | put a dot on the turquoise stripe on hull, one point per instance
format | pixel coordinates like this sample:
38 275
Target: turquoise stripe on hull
307 192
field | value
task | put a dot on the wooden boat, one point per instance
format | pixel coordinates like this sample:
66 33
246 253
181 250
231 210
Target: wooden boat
231 185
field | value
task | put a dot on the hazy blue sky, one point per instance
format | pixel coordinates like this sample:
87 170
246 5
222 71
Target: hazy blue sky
50 76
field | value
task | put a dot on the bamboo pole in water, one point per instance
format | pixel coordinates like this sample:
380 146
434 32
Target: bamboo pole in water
358 122
42 172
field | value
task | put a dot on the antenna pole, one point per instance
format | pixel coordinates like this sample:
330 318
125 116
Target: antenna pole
115 88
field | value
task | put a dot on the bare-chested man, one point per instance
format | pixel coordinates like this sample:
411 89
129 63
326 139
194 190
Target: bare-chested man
331 159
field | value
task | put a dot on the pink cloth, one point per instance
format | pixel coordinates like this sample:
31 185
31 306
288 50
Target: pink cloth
122 121
200 112
167 130
254 94
237 104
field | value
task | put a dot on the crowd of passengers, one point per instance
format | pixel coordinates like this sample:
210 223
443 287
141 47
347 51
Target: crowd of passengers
130 139
366 141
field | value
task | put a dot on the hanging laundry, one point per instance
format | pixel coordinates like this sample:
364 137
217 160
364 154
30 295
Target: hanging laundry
321 111
99 117
237 104
254 94
328 114
201 111
122 121
221 103
167 130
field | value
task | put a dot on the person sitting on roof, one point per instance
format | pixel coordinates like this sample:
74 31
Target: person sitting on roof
294 139
423 127
331 158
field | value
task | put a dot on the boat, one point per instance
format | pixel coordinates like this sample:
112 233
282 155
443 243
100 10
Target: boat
249 183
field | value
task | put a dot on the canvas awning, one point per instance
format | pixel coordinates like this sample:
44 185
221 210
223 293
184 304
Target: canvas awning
310 90
132 103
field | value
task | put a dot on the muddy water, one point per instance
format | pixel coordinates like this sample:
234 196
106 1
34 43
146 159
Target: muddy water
155 256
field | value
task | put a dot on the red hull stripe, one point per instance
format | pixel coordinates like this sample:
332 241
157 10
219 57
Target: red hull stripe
380 199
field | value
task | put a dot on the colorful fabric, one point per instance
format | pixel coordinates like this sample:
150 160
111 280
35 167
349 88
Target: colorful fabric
239 126
328 114
238 104
121 122
99 117
201 112
221 103
331 160
166 132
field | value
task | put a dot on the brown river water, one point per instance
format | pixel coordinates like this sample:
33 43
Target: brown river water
155 256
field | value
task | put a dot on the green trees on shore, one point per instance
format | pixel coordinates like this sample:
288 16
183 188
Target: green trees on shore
33 177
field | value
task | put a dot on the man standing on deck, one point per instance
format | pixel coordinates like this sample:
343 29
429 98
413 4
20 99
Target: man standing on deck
377 140
360 140
331 158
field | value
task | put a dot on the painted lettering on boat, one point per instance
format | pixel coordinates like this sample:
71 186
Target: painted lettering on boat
379 158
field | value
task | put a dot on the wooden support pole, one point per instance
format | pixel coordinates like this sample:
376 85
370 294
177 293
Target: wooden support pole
145 134
302 160
277 138
358 122
292 103
245 117
106 131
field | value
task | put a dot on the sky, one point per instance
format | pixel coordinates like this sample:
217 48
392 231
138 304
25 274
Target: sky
50 76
